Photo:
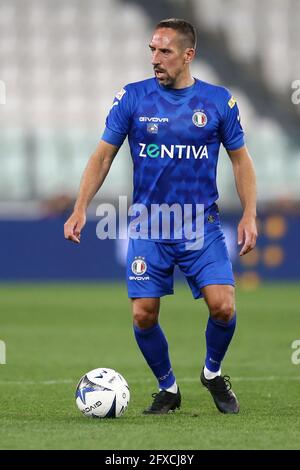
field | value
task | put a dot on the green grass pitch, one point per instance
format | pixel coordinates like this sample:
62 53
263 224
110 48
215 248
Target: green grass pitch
56 333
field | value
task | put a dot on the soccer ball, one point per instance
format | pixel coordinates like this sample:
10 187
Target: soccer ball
102 393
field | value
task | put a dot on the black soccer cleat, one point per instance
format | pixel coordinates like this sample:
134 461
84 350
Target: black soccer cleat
163 403
220 389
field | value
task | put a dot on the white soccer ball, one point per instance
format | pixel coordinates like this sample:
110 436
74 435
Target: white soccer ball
102 393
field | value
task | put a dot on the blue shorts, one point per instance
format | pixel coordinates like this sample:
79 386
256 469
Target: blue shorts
150 265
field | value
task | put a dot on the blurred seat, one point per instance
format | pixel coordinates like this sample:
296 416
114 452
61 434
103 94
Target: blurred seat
264 31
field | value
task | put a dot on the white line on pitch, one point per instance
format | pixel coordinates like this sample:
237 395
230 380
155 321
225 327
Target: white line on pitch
270 378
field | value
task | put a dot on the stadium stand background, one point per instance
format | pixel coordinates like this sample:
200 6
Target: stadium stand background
63 61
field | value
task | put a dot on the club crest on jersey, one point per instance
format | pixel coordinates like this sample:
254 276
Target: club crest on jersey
152 128
139 266
199 119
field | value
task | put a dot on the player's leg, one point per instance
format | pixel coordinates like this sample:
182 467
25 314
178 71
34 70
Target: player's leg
219 332
209 274
154 347
152 341
149 276
220 326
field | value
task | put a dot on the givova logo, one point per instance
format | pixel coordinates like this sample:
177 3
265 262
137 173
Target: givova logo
171 151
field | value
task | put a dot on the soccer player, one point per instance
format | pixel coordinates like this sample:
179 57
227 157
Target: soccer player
175 124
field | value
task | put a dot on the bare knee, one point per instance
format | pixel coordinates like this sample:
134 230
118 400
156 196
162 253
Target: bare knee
220 301
222 309
144 319
145 312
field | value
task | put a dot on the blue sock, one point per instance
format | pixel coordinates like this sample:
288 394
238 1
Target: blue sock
154 347
218 336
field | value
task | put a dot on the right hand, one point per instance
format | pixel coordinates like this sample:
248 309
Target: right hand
74 225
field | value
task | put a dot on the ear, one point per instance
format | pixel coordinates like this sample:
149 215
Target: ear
189 55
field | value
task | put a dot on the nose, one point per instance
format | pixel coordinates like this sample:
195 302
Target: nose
155 58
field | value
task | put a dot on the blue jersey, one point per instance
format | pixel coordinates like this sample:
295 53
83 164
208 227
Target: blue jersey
174 137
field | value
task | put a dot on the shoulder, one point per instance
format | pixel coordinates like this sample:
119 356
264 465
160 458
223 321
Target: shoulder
220 96
217 93
142 87
131 94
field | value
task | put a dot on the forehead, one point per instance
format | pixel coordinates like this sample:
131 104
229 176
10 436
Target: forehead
164 37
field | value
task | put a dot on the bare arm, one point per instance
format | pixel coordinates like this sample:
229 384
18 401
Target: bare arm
92 179
245 181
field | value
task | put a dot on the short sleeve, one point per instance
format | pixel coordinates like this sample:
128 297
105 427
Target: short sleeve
118 119
232 134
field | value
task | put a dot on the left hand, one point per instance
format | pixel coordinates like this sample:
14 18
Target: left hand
247 234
